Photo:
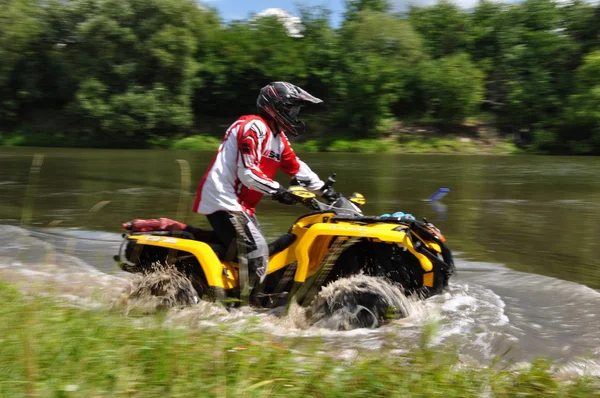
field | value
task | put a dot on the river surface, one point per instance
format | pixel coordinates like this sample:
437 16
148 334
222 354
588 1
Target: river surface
525 231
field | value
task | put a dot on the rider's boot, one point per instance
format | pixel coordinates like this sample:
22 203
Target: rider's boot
252 284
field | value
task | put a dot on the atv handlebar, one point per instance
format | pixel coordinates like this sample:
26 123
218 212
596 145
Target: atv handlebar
329 183
340 203
308 199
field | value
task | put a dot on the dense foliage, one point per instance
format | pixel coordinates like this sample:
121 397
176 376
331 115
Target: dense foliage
124 73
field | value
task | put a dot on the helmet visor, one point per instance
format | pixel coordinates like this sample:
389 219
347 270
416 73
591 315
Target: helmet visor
294 111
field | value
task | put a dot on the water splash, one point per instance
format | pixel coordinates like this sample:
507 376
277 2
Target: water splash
163 288
38 268
357 302
583 367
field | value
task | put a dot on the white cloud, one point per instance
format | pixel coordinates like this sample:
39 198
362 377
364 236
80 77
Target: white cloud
292 24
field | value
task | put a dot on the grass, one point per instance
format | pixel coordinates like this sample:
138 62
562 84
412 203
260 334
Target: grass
50 349
344 145
197 142
410 143
40 139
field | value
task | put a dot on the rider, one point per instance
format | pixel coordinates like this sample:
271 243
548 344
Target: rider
242 171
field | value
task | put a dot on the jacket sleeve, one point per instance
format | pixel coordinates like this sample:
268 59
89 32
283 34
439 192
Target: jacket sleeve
250 143
294 167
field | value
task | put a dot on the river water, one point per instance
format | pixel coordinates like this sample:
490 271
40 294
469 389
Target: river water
525 231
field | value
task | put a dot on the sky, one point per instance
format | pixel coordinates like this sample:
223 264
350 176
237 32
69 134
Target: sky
240 9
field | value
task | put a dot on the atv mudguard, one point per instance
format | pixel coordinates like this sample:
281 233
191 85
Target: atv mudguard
218 274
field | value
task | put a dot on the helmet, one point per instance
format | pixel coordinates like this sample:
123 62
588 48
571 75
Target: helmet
281 102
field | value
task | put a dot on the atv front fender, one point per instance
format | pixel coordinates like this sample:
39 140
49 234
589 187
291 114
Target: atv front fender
381 232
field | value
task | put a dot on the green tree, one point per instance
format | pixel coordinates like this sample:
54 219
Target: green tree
138 65
21 30
355 7
114 72
118 69
452 87
535 58
487 27
582 131
244 57
378 51
320 50
580 21
443 27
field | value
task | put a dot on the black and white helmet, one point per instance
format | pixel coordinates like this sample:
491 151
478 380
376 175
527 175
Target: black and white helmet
281 102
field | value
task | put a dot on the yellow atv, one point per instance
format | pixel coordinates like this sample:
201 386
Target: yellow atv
334 241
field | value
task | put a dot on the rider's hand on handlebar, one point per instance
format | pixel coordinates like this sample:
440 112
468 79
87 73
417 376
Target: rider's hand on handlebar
284 196
330 195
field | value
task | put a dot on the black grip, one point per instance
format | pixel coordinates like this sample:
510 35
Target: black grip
329 183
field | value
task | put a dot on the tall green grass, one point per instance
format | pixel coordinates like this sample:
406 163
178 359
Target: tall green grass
410 145
50 349
414 144
197 142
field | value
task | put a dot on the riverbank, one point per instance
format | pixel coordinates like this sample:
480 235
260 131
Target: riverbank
409 145
53 349
467 138
410 139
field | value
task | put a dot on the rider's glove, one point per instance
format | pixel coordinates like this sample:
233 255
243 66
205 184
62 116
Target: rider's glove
330 195
284 196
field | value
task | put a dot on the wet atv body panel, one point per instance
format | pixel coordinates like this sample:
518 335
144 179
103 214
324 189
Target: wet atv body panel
405 252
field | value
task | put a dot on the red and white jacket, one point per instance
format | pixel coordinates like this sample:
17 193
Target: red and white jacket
243 169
